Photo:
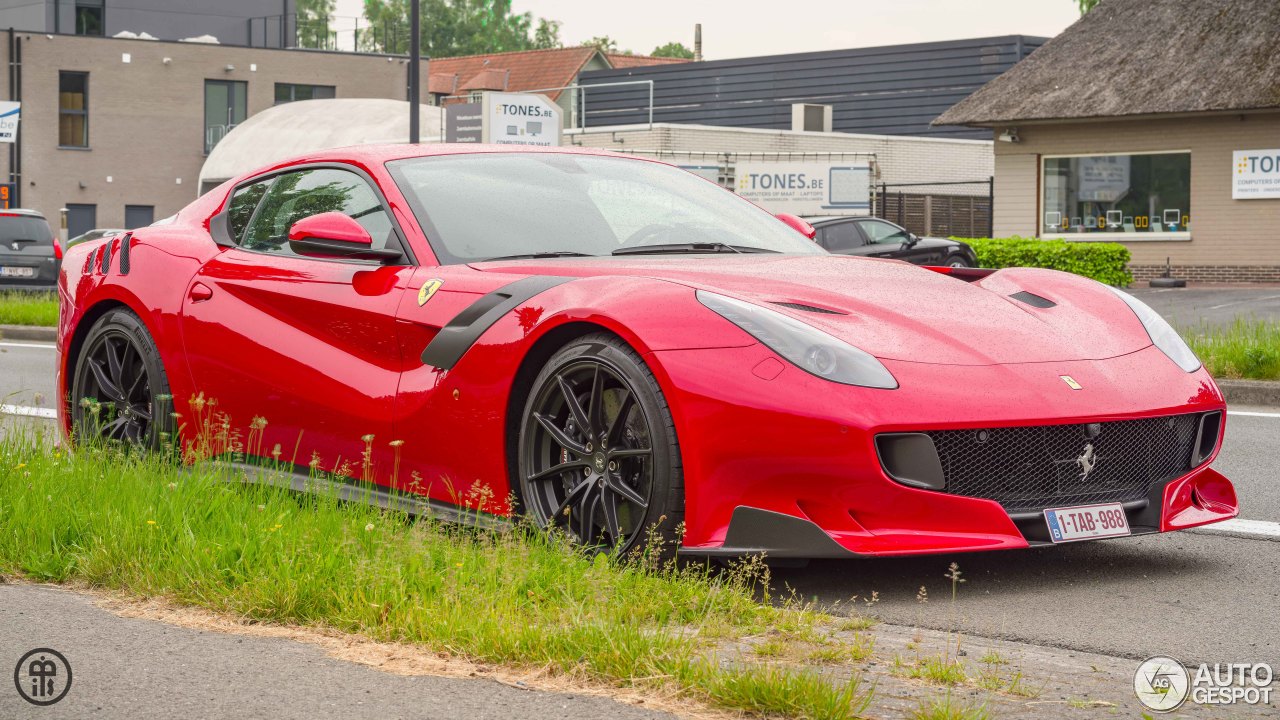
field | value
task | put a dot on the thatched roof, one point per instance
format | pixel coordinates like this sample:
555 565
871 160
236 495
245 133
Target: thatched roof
1140 57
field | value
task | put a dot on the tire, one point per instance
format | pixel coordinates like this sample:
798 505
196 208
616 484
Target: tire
958 262
617 486
120 391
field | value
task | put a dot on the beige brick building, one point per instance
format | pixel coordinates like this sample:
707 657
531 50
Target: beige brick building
116 130
1166 140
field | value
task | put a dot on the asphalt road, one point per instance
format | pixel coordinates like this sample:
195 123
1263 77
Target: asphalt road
1212 306
140 669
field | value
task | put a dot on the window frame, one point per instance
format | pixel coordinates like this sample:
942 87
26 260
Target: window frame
82 113
99 5
409 260
293 89
1179 236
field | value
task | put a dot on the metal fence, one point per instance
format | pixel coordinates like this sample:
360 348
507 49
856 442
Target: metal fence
942 209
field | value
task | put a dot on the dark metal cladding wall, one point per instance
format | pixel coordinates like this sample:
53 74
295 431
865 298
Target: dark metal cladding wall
892 90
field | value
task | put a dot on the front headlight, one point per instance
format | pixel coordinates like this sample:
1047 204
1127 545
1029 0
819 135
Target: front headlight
1161 332
804 346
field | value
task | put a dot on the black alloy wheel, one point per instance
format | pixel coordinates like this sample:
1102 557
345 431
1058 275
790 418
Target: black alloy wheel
597 448
120 391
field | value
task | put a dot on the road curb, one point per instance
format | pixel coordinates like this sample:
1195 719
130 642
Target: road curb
28 332
1250 392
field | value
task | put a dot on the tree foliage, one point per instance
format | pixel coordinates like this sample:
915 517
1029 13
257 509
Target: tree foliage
456 27
673 50
1087 5
605 44
313 23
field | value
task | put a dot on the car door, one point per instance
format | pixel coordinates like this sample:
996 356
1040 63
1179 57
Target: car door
299 353
843 238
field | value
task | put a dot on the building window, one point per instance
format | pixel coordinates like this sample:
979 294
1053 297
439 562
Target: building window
1137 193
90 17
225 104
73 109
289 92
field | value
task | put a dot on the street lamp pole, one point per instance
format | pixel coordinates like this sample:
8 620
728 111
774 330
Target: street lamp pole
415 62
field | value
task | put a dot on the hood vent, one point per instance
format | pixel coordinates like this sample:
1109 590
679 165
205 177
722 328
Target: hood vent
808 308
1033 299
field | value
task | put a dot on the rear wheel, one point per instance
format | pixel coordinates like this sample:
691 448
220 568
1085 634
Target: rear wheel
597 448
958 262
120 391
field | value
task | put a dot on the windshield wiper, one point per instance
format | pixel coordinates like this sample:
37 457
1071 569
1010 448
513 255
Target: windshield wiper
696 247
539 255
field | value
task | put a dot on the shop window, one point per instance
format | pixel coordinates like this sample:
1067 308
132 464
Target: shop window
1138 193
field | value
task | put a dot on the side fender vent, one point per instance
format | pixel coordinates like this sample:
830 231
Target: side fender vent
105 267
1033 299
125 242
808 308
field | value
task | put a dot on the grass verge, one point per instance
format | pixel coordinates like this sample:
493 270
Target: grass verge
25 308
522 598
1248 349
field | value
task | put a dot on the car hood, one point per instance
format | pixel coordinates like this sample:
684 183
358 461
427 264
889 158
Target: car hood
898 311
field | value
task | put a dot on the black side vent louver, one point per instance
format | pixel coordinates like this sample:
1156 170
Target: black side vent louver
1033 299
125 242
808 308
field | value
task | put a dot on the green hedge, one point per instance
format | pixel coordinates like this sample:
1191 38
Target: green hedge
1105 262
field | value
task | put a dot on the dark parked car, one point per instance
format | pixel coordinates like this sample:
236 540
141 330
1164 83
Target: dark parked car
874 237
30 255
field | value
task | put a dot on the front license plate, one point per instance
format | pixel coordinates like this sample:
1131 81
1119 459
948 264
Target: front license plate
1086 522
17 272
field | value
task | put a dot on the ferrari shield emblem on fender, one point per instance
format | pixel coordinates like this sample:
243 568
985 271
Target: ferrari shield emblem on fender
428 289
1070 381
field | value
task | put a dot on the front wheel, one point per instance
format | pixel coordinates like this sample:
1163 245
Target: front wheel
119 391
597 448
958 262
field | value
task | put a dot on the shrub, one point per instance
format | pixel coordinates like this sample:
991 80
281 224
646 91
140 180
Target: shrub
1105 262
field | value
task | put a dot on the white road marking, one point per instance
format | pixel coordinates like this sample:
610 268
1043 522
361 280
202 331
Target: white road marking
1263 529
24 411
41 346
1244 413
1246 300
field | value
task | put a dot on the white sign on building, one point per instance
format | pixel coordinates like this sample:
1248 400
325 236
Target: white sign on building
521 119
1255 174
806 188
9 121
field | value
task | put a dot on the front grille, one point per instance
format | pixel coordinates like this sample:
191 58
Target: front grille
1037 467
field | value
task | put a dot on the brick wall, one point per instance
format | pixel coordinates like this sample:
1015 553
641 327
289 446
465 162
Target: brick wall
1211 273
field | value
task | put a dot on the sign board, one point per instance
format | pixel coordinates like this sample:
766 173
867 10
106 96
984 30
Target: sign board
806 188
6 196
521 119
463 123
1104 178
1255 174
9 121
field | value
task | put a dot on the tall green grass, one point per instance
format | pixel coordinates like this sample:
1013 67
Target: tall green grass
1247 349
27 308
520 597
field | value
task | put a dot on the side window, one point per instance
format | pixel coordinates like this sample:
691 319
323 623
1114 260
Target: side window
841 236
240 212
296 195
880 232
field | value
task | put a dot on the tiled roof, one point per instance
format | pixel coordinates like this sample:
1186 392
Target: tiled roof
620 61
524 70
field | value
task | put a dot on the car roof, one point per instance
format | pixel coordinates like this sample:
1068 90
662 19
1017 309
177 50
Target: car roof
23 212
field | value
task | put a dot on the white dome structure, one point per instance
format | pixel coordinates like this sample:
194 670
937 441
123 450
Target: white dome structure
305 126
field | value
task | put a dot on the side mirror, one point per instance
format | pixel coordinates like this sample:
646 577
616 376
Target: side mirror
798 224
334 235
912 239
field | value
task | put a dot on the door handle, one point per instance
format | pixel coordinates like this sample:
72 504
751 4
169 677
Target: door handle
199 292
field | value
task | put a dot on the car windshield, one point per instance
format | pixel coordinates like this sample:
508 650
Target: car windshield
483 206
24 227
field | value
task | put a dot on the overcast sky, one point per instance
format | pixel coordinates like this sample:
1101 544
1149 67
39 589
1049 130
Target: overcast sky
734 28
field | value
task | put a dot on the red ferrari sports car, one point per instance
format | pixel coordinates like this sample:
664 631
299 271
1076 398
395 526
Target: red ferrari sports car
613 345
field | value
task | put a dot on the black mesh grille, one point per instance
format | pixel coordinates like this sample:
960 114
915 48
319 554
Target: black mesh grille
1031 468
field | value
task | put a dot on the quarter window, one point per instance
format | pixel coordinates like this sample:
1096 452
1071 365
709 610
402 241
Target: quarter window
73 109
293 196
1117 194
243 203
